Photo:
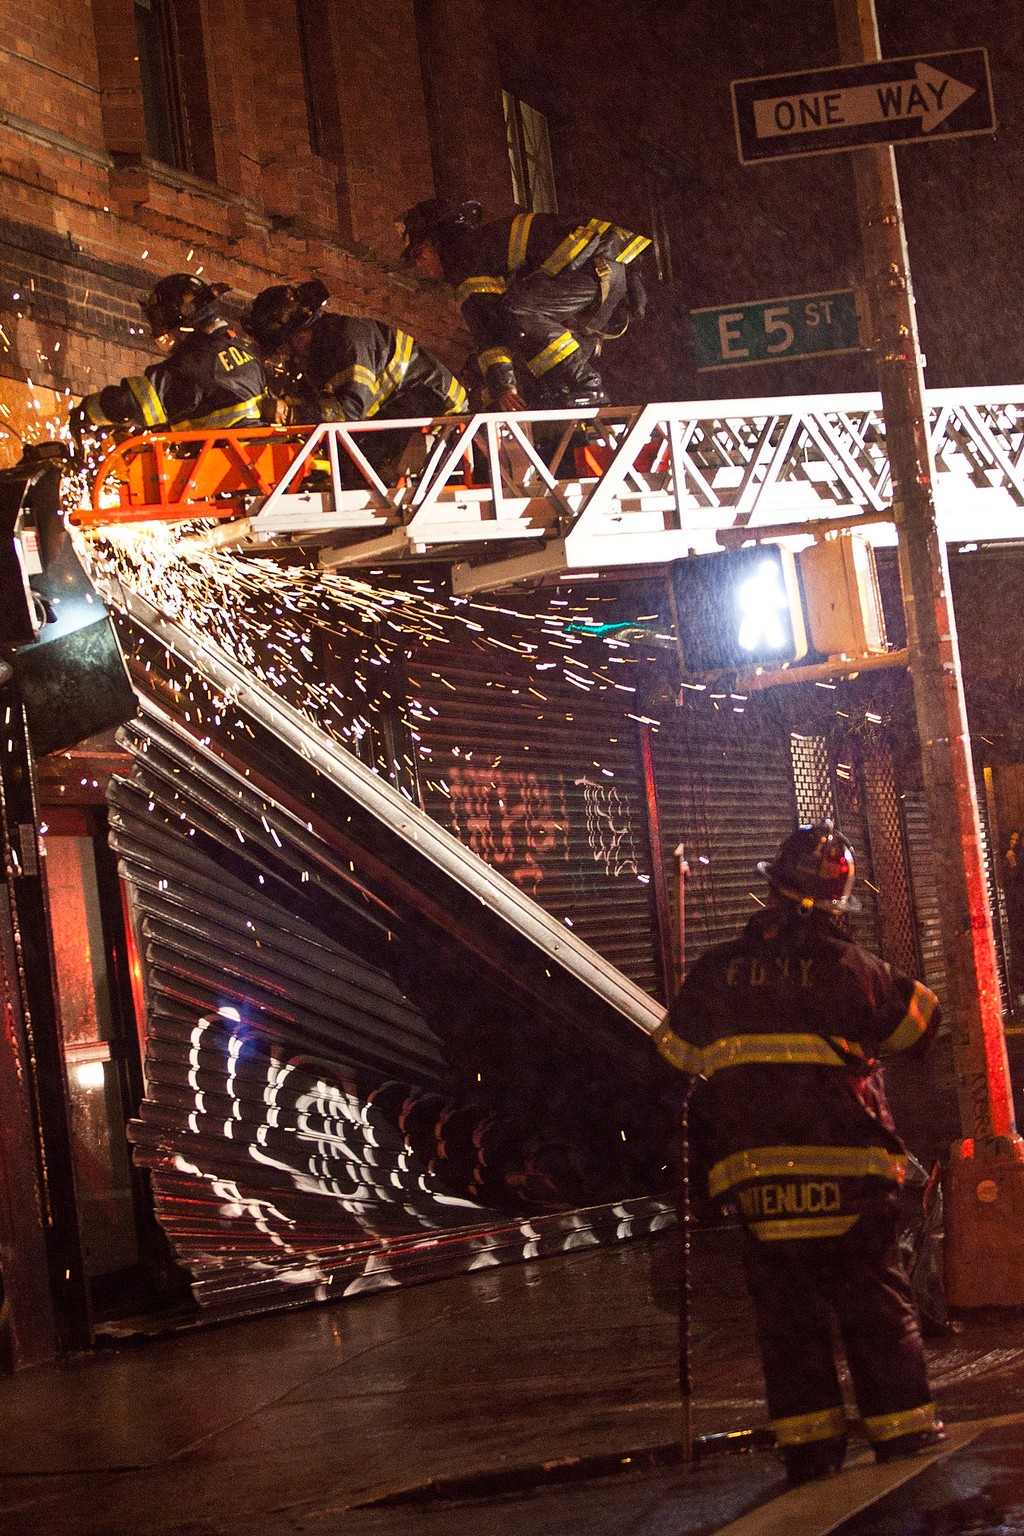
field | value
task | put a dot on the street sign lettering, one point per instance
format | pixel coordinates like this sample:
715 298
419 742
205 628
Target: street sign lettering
921 98
930 95
774 330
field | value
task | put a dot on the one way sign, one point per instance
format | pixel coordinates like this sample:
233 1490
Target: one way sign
893 101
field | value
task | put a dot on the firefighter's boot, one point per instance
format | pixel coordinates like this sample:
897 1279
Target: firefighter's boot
914 1444
820 1458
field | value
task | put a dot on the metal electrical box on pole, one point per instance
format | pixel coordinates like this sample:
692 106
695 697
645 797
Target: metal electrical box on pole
985 1220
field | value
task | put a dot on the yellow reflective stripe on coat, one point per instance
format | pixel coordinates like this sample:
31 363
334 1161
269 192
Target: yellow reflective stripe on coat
575 242
636 245
805 1428
490 357
456 396
394 373
914 1022
889 1426
518 239
357 374
686 1058
554 353
94 411
237 415
153 413
473 285
806 1162
801 1226
751 1050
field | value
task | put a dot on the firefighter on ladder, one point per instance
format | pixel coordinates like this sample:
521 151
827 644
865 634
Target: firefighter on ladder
329 367
209 377
535 290
786 1024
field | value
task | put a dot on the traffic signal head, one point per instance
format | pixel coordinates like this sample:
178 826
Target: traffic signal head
844 606
739 609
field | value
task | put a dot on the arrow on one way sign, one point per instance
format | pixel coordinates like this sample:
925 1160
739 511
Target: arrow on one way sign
931 95
892 100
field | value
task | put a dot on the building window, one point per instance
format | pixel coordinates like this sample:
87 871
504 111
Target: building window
529 153
318 78
172 70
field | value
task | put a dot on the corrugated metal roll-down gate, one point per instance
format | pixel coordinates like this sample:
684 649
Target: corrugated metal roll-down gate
369 1058
550 798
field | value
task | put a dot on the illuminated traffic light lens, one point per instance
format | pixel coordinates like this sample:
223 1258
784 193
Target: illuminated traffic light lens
764 611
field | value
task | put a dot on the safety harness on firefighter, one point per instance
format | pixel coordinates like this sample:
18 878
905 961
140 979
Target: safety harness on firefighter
607 245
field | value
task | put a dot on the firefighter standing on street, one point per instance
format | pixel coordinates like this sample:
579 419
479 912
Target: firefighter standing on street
536 290
328 367
786 1023
209 378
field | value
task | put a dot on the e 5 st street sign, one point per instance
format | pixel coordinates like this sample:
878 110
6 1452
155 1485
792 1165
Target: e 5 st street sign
917 99
775 330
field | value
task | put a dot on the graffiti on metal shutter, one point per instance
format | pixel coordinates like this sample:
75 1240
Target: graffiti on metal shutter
513 820
608 829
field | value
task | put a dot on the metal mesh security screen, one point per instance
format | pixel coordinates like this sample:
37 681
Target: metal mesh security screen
812 784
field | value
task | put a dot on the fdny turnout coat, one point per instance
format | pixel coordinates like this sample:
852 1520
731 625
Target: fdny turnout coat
787 1024
508 272
356 369
211 379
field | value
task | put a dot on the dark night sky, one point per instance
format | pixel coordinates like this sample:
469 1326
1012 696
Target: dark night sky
659 72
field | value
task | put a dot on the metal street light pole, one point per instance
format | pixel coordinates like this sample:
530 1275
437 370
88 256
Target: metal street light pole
985 1246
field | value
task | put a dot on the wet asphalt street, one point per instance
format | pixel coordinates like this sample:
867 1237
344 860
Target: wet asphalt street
346 1418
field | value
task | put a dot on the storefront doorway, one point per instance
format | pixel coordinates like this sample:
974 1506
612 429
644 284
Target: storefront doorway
124 1266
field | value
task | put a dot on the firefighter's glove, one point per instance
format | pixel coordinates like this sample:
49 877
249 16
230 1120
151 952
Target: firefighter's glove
280 410
509 400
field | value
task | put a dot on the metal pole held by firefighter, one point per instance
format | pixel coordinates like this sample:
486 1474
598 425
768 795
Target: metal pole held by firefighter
685 1219
683 1210
985 1235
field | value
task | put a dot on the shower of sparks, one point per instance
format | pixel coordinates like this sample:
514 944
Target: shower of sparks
43 426
329 642
276 623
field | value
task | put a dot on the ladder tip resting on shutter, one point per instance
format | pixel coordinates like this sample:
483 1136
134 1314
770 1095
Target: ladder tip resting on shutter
516 495
370 1059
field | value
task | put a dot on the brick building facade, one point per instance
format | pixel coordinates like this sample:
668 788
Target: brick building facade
93 214
251 144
